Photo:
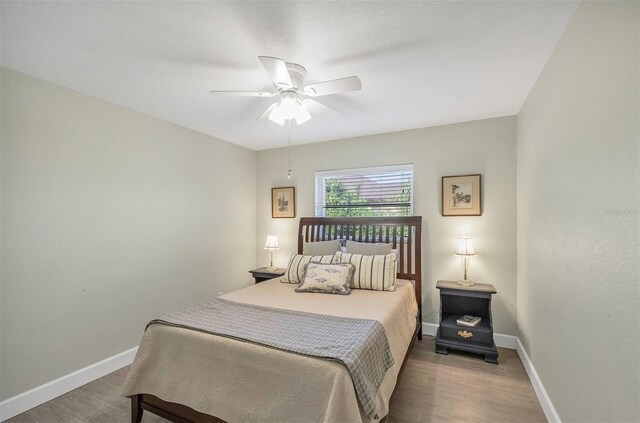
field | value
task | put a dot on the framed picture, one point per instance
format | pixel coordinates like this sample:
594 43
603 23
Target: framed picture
461 195
283 202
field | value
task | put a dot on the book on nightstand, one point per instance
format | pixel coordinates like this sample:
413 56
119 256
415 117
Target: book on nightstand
468 320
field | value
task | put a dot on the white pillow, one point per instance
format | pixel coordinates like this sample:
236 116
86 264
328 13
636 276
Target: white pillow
295 268
368 248
321 248
377 272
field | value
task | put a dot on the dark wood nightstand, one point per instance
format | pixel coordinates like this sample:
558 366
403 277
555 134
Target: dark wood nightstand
261 274
456 301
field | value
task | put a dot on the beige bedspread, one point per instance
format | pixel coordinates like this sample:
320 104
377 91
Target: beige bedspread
243 382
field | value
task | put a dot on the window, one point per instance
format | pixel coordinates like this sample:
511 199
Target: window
372 191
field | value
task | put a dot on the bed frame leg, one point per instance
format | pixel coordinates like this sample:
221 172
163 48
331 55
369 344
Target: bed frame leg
136 408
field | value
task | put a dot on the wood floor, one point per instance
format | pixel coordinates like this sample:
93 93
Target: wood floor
458 387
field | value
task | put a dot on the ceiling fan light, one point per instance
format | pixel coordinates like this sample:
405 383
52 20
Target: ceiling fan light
301 115
289 107
278 115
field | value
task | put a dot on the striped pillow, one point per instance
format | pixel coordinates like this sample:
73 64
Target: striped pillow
372 272
295 269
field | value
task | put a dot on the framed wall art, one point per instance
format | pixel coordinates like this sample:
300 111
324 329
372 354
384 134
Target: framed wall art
283 202
461 195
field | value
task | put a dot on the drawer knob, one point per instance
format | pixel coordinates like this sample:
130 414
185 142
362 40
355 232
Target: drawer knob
465 334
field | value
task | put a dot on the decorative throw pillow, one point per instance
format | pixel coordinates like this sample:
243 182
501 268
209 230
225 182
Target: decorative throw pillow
396 253
327 278
295 269
377 272
321 248
368 249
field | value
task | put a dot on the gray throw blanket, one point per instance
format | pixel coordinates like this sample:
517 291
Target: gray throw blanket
360 344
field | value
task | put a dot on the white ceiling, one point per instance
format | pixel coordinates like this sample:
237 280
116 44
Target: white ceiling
421 63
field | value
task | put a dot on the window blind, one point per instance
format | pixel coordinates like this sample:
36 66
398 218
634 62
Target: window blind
373 191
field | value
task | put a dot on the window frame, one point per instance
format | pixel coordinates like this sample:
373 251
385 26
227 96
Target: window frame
320 194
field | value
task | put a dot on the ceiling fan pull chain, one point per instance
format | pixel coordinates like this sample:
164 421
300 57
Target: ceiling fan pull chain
289 149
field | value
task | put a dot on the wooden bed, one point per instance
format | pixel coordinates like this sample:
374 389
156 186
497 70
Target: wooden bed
405 235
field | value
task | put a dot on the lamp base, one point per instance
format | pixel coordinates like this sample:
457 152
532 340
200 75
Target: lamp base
466 282
271 269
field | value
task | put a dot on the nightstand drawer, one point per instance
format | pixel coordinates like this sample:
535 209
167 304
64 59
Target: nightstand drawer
467 334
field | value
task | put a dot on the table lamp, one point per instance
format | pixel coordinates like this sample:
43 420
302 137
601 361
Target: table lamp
271 246
465 250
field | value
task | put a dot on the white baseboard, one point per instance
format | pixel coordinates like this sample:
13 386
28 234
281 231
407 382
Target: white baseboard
513 343
547 406
429 329
505 341
50 390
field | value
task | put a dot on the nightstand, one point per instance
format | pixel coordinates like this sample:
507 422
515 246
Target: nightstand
456 301
261 274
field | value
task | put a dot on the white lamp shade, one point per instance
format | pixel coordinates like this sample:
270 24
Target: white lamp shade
301 115
465 247
272 243
278 115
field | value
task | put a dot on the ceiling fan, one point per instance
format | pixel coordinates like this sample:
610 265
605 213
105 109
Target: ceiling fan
288 79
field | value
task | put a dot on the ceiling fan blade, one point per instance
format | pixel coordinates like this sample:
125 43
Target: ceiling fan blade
318 109
277 70
267 112
242 93
336 86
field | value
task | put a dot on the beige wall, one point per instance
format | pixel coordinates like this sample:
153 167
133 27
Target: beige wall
578 220
109 219
486 147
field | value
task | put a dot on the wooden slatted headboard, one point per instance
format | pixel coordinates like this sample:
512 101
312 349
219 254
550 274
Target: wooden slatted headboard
405 234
